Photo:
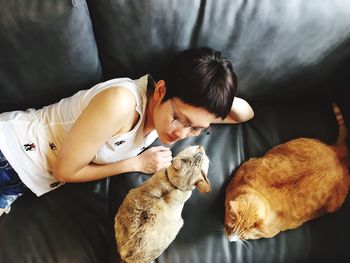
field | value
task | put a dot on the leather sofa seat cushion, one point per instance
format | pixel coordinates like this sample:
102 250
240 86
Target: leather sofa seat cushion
65 225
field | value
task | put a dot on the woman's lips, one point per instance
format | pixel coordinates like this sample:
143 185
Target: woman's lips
172 139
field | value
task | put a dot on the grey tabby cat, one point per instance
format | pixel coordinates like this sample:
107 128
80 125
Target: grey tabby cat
149 218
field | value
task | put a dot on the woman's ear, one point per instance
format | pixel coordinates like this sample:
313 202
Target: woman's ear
159 91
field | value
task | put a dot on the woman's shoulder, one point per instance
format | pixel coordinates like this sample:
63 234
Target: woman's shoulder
116 98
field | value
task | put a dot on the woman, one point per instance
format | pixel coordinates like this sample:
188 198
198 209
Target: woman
102 131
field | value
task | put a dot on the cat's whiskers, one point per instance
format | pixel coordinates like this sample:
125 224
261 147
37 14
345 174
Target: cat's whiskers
219 228
242 243
247 244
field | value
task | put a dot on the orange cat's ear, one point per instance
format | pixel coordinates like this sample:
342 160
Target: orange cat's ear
176 164
234 206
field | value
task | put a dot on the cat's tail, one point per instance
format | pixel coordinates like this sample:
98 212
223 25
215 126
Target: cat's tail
341 145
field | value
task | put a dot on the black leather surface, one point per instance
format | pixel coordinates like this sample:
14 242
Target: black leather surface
47 52
63 226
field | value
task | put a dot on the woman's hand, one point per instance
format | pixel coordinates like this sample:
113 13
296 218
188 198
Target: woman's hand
154 159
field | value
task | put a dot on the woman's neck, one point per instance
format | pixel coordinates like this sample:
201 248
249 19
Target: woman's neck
149 124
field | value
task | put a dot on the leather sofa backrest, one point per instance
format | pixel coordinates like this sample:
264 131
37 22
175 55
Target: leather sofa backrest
294 50
48 49
47 52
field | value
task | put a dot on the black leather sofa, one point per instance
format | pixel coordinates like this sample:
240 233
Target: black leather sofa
292 59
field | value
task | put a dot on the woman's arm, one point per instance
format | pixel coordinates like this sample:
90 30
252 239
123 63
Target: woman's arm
241 111
110 112
150 161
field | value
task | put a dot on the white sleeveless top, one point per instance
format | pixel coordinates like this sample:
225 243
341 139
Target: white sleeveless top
30 140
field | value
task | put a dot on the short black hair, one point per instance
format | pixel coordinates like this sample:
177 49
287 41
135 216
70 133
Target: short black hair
203 78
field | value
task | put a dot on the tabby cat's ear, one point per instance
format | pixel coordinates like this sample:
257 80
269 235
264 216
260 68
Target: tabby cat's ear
176 164
203 184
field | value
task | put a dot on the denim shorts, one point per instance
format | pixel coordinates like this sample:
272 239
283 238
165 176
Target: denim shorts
11 186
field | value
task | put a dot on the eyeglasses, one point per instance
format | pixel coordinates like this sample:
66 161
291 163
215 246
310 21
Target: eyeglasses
179 123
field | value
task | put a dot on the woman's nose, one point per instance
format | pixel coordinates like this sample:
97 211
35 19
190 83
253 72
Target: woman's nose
181 133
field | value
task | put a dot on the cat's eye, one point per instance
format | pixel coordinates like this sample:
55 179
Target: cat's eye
258 224
229 227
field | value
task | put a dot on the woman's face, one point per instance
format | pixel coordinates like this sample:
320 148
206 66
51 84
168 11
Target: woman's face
175 120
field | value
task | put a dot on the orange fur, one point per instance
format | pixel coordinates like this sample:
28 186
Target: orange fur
291 184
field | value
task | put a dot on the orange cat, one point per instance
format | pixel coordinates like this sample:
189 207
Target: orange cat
291 184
